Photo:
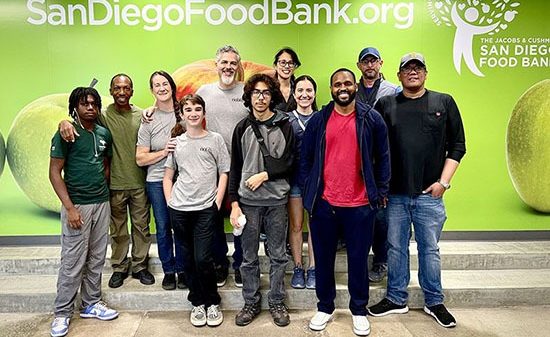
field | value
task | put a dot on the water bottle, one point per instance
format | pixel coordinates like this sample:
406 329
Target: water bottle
242 221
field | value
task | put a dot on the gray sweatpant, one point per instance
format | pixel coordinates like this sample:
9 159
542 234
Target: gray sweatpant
82 258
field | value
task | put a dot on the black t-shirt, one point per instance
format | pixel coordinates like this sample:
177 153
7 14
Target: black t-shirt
423 132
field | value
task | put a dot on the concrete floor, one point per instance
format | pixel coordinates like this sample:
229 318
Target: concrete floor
508 321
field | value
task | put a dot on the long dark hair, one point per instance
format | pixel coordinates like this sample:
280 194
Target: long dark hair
299 79
177 107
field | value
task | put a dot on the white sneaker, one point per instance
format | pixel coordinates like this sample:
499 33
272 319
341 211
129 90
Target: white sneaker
319 321
361 325
214 316
60 326
99 310
198 316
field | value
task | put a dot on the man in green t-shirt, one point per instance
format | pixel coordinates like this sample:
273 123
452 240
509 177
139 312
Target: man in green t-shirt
127 185
85 213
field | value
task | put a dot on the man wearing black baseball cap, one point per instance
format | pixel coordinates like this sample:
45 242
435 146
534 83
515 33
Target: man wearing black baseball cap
372 86
426 145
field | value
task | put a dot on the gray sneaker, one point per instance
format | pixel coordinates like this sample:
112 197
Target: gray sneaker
214 316
198 316
378 272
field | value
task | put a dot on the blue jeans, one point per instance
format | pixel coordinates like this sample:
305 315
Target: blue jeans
356 223
165 238
427 215
275 223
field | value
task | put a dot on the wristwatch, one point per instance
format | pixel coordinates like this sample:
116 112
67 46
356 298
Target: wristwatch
446 186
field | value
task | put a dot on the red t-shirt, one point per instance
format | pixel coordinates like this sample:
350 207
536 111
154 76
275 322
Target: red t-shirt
344 184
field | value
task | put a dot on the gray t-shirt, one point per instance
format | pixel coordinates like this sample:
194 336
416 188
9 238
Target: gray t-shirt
224 109
198 161
155 135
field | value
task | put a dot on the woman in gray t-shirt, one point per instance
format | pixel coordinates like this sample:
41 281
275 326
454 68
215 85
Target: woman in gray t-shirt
153 146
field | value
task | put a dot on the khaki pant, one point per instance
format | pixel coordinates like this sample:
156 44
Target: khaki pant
82 258
138 205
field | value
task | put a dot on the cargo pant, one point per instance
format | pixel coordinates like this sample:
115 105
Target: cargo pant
136 201
82 258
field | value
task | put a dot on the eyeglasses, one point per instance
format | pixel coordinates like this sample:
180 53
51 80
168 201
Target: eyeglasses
369 61
263 93
284 63
416 69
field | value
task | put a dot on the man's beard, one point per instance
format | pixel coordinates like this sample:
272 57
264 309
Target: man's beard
227 80
351 97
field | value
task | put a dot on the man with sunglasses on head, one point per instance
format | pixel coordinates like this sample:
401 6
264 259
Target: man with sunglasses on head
427 143
372 86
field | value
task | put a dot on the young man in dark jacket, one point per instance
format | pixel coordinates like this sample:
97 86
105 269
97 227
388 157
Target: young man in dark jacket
261 162
344 173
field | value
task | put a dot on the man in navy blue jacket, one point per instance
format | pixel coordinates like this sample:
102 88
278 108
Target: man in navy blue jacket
344 175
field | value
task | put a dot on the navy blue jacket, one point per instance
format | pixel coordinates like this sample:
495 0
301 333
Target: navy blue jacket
372 137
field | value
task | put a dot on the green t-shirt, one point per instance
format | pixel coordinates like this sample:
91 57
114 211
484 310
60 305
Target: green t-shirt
83 170
125 174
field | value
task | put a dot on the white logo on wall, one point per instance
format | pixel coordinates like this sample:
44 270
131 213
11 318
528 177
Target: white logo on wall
471 18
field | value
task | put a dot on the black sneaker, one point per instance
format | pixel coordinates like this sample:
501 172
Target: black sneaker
238 279
386 307
279 312
169 281
441 315
378 272
144 276
117 279
182 281
221 275
247 314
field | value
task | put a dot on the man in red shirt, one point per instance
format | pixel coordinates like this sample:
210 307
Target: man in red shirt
344 173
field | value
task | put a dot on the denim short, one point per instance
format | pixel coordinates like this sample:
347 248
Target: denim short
295 192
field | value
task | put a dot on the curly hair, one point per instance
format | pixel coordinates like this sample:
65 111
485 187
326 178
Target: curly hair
270 82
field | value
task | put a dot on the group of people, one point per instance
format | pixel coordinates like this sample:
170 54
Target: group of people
366 166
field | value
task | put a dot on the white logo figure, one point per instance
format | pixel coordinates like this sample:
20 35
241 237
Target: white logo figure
472 17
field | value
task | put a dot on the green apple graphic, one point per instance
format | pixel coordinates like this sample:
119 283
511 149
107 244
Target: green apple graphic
2 153
528 146
28 148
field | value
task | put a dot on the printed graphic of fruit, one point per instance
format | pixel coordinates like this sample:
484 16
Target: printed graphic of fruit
190 77
528 146
2 153
28 147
